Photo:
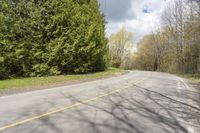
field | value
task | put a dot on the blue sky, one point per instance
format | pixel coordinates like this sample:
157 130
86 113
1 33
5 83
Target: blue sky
141 17
146 9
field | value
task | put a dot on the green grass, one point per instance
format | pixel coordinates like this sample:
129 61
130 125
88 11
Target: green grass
192 77
51 80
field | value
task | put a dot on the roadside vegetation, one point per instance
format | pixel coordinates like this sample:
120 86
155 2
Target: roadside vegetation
51 37
175 47
120 49
192 77
34 82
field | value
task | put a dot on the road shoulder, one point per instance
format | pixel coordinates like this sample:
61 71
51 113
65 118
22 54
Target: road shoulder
5 92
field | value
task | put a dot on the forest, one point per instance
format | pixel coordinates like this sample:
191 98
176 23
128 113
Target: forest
51 37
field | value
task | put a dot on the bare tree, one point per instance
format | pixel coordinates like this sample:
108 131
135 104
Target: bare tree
120 45
176 46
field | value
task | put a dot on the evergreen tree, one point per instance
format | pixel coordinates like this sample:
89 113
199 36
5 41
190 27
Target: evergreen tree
39 37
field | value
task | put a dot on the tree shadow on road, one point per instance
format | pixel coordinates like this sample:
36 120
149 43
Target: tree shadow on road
141 111
133 110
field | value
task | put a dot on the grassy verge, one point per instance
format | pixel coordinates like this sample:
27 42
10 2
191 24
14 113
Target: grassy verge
192 77
44 81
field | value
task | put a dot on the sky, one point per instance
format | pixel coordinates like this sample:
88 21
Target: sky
141 17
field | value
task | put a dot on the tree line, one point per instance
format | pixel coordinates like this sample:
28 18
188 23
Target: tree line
51 37
176 46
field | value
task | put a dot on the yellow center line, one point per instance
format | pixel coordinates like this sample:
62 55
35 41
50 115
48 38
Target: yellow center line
67 107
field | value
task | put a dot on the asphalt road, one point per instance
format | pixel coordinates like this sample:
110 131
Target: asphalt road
138 102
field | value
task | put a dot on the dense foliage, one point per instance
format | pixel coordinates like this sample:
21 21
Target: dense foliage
50 37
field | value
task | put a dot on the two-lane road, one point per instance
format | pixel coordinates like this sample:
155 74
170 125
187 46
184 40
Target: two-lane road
138 102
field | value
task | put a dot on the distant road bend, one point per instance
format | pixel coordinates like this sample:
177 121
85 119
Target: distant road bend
137 102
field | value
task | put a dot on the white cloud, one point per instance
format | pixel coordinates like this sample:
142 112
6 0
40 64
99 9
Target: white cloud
140 23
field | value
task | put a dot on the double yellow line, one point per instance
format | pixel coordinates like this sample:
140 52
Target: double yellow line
67 107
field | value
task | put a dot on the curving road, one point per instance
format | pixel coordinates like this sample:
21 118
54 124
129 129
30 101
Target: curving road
138 102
